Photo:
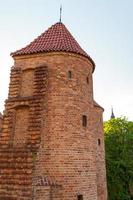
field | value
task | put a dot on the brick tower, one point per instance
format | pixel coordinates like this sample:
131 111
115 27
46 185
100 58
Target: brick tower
51 142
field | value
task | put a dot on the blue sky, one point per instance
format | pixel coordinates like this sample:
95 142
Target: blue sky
104 29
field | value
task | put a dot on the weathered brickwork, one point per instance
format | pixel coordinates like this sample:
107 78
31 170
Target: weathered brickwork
16 174
1 119
21 135
47 151
100 153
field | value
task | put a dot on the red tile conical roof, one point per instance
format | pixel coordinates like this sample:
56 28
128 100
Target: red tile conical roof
57 38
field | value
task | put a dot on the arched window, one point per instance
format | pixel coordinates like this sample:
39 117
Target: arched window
84 120
80 197
69 75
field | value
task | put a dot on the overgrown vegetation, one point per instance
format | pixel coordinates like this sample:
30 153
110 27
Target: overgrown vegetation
119 158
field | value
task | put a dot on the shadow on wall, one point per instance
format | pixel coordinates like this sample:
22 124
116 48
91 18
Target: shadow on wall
1 119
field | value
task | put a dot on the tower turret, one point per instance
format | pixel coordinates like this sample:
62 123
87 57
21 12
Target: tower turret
52 127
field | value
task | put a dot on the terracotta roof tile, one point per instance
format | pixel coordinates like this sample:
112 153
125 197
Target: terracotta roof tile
56 38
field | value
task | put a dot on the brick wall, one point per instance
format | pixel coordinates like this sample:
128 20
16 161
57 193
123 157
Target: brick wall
59 147
21 125
1 119
21 134
100 154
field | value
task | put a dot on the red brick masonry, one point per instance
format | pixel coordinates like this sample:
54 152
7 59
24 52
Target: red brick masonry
45 151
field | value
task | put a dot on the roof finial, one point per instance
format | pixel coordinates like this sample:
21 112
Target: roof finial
112 113
60 12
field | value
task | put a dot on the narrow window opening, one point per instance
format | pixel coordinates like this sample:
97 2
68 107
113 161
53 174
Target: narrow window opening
69 75
80 197
84 120
87 80
99 142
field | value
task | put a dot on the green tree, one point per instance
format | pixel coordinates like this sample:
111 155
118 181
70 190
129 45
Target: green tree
119 158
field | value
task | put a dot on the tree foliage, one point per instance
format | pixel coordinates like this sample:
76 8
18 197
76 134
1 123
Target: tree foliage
119 158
